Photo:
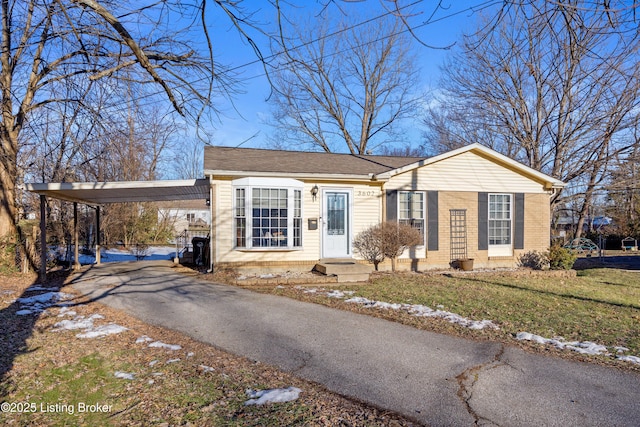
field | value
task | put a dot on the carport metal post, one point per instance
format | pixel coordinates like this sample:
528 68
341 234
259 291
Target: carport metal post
43 239
97 235
76 261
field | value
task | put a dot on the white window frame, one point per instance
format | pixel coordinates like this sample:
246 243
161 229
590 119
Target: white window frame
494 217
244 209
411 221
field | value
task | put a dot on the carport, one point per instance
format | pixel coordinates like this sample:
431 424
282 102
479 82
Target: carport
97 194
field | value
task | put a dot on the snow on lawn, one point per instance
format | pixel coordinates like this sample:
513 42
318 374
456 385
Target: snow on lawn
102 331
160 344
276 395
124 375
583 347
413 309
86 323
38 303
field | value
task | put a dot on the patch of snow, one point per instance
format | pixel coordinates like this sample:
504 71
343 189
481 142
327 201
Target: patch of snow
339 294
413 309
34 288
160 344
585 347
47 297
102 331
39 303
191 354
86 323
124 375
631 359
277 395
206 368
172 361
582 347
65 311
153 362
79 322
143 339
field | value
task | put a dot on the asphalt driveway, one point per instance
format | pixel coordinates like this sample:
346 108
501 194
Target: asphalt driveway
436 379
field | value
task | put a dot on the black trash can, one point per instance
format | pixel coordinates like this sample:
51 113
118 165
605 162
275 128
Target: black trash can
200 250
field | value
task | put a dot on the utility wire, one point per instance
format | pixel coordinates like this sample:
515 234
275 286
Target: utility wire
474 9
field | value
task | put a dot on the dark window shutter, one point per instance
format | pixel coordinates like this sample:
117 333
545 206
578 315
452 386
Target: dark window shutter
432 220
392 205
518 236
483 221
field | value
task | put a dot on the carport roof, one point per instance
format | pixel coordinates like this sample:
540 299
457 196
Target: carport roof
99 193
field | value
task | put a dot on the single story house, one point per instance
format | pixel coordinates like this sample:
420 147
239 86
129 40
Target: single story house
287 210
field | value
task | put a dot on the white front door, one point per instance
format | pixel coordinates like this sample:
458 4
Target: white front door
336 224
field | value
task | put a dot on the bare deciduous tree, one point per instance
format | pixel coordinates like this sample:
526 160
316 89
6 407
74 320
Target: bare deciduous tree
623 190
554 85
48 44
344 88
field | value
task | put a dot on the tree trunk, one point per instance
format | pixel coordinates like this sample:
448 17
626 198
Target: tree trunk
8 172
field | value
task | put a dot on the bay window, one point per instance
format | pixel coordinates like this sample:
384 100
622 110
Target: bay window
267 213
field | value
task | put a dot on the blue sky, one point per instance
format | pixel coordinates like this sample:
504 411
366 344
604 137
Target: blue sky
239 127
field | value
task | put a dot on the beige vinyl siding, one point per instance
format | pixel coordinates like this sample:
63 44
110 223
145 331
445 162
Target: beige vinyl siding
466 172
366 206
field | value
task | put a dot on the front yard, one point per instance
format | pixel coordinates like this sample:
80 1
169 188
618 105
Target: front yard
83 363
597 313
51 366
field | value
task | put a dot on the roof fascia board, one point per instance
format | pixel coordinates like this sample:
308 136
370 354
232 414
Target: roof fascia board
113 185
297 175
65 190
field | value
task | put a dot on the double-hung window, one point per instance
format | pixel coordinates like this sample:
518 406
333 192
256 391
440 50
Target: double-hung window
267 213
411 209
500 224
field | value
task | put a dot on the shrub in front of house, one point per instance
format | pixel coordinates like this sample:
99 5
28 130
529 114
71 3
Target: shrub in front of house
367 244
561 258
386 240
534 260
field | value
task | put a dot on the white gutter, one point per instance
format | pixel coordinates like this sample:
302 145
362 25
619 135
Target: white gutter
315 176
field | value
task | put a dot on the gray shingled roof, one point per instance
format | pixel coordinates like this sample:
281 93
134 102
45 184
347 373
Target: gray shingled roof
280 161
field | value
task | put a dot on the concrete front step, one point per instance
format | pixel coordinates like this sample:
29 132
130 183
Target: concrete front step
346 270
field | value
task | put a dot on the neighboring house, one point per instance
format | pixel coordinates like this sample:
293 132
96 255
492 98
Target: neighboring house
284 210
186 215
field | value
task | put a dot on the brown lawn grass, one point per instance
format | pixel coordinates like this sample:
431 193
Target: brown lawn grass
49 374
